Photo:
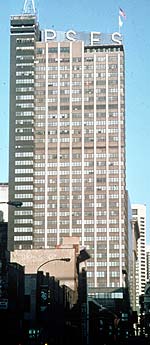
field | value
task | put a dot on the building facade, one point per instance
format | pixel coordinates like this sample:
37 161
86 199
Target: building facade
139 215
67 144
133 279
148 263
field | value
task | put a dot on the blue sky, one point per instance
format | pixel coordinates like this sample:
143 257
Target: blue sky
100 16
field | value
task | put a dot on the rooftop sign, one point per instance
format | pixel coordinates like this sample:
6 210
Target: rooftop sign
93 38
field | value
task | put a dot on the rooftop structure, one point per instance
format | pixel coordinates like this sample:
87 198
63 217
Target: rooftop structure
29 7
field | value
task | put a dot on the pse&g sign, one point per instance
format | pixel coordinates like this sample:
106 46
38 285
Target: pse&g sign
93 38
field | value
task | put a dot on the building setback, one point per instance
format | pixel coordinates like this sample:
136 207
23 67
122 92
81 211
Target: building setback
67 144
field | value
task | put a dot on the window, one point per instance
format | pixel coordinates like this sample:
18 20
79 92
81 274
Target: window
23 229
64 49
22 238
23 221
100 274
40 51
135 212
53 50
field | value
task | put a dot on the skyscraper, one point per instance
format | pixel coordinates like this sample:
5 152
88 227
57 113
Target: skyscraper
67 144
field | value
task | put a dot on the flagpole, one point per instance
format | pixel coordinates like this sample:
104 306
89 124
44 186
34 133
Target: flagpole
119 24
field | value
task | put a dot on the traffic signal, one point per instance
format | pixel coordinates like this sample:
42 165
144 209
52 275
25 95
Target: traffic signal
44 297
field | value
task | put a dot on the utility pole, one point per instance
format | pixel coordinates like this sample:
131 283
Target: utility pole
29 7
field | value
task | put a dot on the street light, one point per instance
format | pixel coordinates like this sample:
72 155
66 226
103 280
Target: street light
50 260
13 203
44 310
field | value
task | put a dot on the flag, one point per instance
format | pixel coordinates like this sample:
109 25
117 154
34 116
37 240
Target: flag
122 13
120 22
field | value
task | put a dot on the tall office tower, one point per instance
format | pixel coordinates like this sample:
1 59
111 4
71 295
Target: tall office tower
67 144
24 33
139 215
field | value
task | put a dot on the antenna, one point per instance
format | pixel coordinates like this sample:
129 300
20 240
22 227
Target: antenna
29 7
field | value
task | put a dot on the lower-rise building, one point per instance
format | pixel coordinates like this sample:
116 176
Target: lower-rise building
139 215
